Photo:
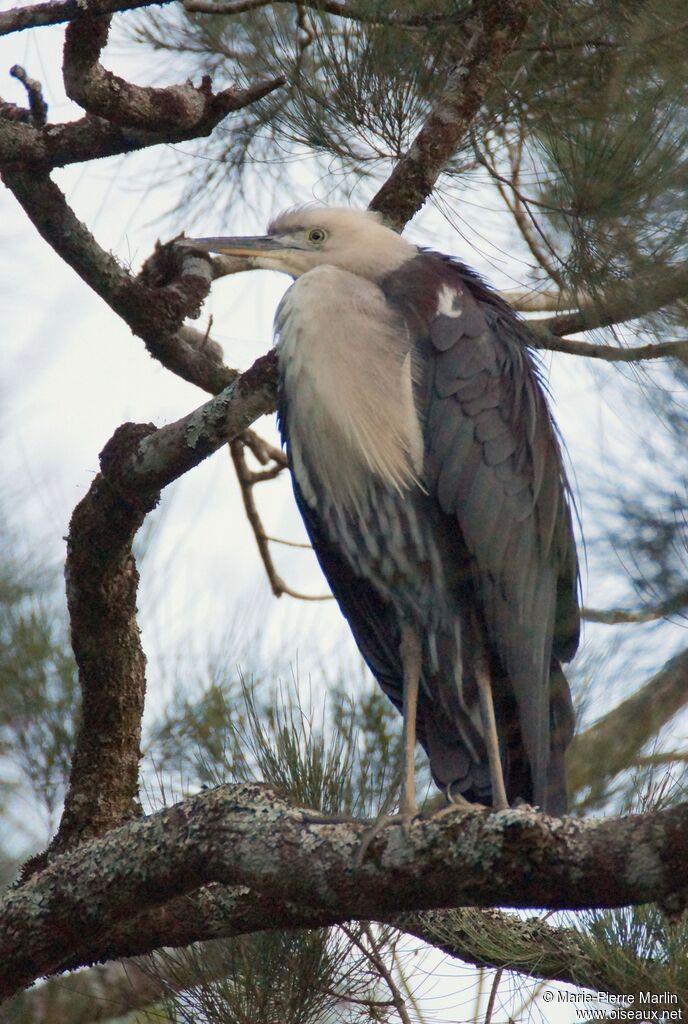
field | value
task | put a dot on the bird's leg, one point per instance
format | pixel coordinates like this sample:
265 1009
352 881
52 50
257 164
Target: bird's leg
499 800
411 662
411 655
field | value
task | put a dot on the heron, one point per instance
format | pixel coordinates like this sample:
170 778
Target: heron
429 474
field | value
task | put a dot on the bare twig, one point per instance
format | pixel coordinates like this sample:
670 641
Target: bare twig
38 108
263 451
496 981
519 206
247 481
495 27
373 954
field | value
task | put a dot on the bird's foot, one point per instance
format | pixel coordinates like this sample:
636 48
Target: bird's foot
457 806
404 818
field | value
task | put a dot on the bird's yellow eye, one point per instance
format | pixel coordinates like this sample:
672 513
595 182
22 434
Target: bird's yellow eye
316 235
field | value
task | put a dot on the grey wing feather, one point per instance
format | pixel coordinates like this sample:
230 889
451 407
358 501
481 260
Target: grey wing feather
493 461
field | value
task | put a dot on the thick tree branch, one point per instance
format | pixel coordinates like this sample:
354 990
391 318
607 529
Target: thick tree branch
481 937
484 938
102 583
54 12
245 836
494 29
105 95
91 138
613 743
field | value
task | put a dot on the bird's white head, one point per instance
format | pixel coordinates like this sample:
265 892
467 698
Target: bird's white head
307 237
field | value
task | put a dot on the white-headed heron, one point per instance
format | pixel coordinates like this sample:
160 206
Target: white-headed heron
426 467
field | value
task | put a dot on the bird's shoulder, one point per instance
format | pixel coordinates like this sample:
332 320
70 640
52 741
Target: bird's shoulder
438 290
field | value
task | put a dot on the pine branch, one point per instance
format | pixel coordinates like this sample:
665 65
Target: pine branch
494 29
615 616
535 300
614 742
245 836
483 938
625 300
612 354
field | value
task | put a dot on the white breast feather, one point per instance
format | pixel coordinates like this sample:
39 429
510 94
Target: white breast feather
348 381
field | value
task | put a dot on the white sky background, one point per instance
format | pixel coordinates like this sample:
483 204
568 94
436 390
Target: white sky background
73 372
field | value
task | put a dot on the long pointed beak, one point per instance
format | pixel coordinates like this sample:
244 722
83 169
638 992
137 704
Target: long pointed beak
251 245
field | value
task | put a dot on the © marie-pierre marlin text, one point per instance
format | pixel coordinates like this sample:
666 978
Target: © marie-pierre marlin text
639 1006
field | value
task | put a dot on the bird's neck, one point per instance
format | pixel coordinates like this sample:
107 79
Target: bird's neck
346 372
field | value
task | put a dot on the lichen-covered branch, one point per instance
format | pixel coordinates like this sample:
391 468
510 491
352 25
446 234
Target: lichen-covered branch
492 31
481 937
474 936
614 742
245 836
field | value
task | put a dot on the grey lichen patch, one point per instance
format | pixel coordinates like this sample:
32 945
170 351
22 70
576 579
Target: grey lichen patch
644 868
196 430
